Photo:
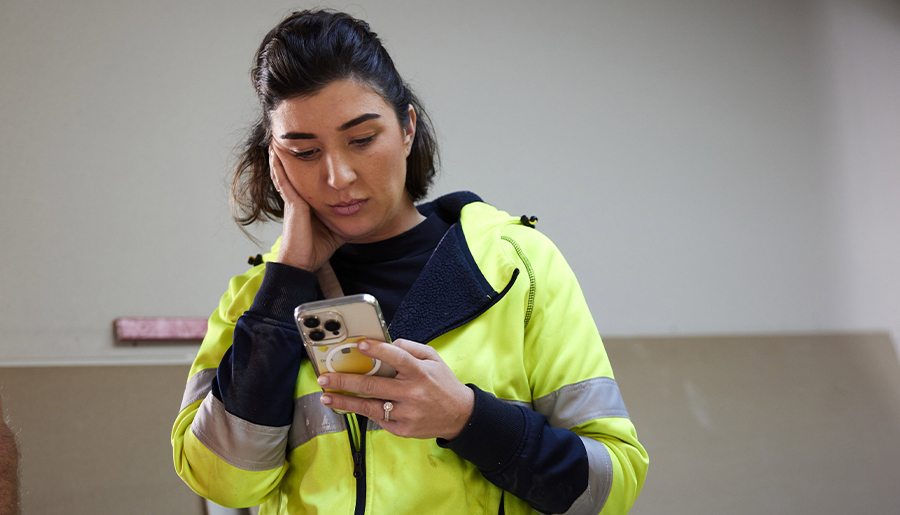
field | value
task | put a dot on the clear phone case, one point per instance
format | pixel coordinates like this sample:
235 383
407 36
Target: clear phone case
331 329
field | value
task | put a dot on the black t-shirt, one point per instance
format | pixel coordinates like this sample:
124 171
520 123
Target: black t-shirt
387 269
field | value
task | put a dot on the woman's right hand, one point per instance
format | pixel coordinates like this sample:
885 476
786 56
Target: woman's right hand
305 241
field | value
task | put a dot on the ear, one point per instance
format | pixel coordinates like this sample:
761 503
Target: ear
409 132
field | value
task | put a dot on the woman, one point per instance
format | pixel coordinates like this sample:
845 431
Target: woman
504 399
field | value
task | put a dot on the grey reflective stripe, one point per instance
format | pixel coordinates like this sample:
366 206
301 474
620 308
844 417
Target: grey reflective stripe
242 444
600 479
311 419
372 425
518 403
577 403
197 387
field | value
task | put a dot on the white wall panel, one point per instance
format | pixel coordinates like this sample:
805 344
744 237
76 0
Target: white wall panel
682 155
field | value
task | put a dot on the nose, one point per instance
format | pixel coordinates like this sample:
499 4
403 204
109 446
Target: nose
338 171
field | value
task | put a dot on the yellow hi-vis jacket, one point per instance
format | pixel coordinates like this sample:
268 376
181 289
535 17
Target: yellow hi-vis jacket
503 309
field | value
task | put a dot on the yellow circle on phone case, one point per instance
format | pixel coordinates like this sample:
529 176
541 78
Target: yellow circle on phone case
348 359
352 362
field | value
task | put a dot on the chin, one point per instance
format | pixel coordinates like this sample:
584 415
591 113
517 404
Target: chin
351 232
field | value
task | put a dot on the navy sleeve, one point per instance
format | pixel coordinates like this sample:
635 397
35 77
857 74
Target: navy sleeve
518 450
255 380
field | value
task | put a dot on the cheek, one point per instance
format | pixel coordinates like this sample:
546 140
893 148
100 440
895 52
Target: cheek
302 180
393 166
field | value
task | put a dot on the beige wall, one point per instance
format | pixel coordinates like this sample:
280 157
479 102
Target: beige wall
799 425
95 440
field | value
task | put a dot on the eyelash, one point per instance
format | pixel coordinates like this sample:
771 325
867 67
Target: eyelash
363 141
306 155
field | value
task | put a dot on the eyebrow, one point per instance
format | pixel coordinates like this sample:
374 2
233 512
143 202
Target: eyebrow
352 123
358 120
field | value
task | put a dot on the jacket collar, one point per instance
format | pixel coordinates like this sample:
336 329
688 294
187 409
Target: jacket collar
451 290
450 206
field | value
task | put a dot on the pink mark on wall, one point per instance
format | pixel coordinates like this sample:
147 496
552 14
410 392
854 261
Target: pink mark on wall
159 328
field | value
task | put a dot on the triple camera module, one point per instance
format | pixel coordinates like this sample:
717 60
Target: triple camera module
320 331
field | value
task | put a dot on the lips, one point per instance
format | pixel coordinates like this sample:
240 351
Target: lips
349 208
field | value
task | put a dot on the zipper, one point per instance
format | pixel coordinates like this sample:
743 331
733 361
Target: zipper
357 433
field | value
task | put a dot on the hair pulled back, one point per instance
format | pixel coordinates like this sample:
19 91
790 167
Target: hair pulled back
303 54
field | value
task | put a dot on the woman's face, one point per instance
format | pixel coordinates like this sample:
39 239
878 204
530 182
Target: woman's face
345 154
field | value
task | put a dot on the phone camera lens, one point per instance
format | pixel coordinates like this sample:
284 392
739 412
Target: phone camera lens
311 322
333 326
317 335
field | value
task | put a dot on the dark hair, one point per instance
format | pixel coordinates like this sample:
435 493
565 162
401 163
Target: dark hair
303 54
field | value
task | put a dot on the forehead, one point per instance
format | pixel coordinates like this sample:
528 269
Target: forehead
329 108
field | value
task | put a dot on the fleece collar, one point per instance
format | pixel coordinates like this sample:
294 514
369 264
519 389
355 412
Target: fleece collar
451 290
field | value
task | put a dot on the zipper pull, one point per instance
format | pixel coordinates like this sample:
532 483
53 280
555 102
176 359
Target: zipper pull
357 464
528 221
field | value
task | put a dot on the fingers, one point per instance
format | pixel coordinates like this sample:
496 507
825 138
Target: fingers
375 391
403 355
372 408
369 386
280 179
272 174
417 350
428 399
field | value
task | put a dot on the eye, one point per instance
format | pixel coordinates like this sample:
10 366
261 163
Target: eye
363 142
306 155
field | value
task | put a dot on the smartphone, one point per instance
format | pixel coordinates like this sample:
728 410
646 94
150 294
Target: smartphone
332 328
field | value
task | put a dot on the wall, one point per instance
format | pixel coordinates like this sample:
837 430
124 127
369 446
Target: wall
96 440
706 167
745 425
861 43
733 425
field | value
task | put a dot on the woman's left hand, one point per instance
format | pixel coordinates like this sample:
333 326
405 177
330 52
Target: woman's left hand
429 401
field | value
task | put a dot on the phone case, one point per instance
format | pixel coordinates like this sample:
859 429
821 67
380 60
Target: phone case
331 329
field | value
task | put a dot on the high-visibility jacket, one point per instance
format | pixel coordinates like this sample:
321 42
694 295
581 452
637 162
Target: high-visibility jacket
503 309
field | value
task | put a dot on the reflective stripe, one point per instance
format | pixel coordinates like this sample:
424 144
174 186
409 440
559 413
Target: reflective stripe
198 386
600 479
518 403
373 426
577 403
311 419
242 444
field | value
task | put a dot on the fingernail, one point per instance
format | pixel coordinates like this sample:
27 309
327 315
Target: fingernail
363 345
323 381
326 399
